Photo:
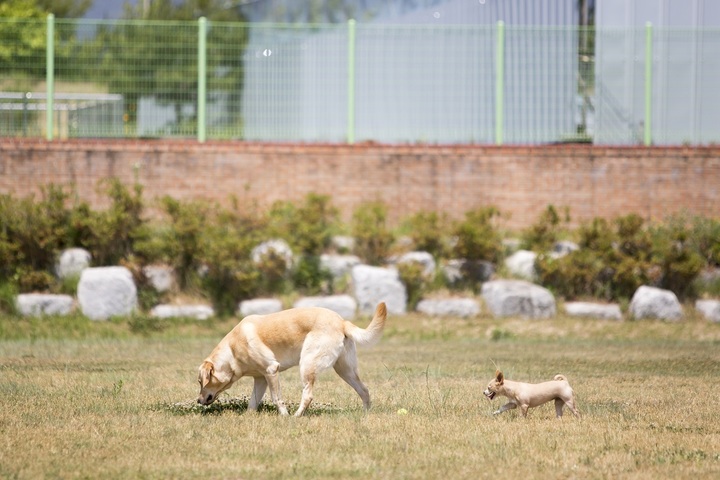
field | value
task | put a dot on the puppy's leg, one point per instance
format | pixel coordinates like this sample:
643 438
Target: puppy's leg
571 405
273 380
346 368
504 408
258 393
559 407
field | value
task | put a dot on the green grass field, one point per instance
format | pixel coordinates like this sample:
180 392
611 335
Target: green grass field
115 400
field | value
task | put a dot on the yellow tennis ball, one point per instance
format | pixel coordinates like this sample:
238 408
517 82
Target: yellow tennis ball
402 411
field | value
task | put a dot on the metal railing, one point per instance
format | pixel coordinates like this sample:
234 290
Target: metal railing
480 84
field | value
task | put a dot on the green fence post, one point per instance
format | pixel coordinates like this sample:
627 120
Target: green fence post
202 79
499 82
351 83
648 84
50 76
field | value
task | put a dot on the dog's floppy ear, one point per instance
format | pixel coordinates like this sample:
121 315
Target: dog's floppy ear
499 376
206 372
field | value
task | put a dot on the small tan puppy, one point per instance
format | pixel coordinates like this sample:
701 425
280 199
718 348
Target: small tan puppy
526 395
262 346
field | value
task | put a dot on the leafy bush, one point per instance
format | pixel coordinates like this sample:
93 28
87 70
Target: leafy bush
32 234
309 228
373 238
226 246
704 237
274 273
309 277
477 237
542 235
578 274
32 231
177 241
8 292
428 232
416 283
678 261
210 247
111 233
612 264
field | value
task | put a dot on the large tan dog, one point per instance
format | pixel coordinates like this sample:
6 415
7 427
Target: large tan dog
526 395
262 346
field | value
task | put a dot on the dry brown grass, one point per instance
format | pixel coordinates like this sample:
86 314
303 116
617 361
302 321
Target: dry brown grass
103 407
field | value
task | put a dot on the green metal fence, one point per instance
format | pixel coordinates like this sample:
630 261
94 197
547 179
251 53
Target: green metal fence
484 84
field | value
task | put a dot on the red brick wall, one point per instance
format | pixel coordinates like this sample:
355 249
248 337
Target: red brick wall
520 181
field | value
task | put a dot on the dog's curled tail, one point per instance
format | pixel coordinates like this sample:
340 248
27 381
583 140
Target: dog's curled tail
366 337
560 377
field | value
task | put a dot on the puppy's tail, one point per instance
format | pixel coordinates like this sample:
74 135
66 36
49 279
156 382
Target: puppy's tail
369 336
560 377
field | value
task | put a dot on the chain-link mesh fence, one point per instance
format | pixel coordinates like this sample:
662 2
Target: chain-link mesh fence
480 84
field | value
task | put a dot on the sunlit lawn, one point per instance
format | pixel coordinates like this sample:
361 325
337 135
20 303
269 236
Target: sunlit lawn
115 400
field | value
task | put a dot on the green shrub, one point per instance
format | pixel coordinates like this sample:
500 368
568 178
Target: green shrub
673 252
210 247
709 287
309 277
704 237
542 235
307 228
178 241
33 232
576 275
110 234
416 283
633 239
477 237
148 297
34 280
428 232
8 292
596 236
612 264
274 273
373 238
226 246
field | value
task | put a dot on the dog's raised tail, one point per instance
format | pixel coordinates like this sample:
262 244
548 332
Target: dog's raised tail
369 336
560 377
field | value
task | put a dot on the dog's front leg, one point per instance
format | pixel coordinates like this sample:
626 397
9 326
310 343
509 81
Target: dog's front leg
272 377
504 408
259 387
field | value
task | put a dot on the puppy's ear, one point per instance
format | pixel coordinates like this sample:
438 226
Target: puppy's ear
206 372
499 376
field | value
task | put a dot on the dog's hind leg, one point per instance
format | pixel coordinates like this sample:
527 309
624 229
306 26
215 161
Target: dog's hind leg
571 405
308 379
258 393
319 353
272 378
346 368
559 403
